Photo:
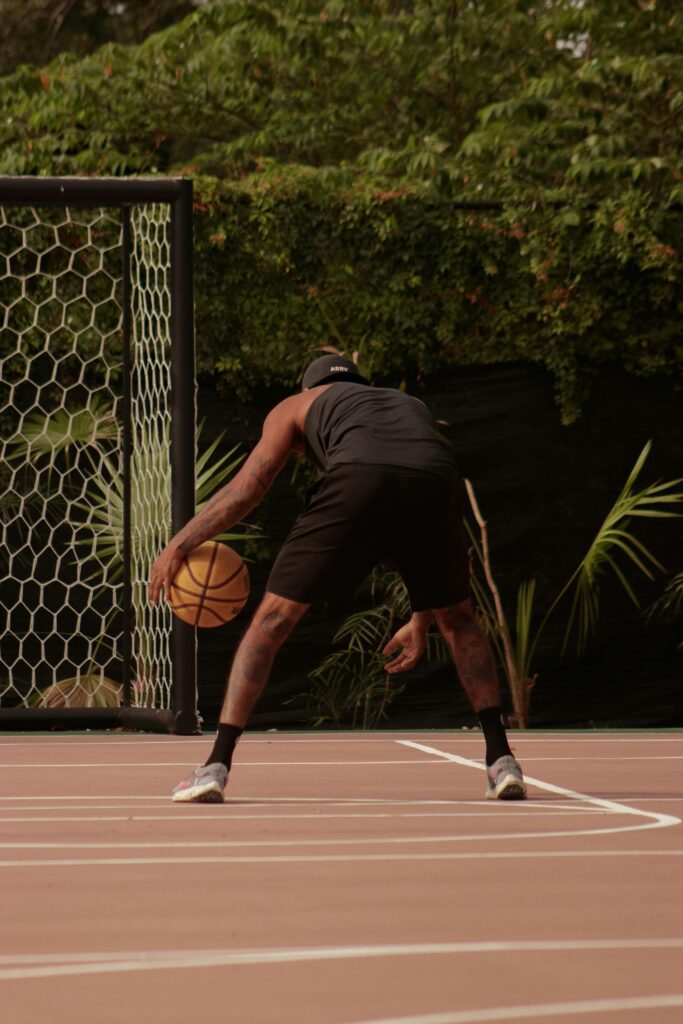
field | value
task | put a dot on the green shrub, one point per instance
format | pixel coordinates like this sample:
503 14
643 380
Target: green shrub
290 263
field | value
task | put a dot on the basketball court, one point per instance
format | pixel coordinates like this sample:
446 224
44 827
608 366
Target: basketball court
348 879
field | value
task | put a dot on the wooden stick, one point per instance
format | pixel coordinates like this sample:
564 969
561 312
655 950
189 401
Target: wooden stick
516 686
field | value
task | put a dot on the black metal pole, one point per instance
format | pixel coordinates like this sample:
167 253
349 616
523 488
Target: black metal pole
184 646
148 719
89 191
127 439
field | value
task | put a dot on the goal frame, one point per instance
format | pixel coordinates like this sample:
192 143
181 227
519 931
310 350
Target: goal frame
123 193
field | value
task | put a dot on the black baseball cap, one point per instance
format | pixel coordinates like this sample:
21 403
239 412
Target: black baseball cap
330 370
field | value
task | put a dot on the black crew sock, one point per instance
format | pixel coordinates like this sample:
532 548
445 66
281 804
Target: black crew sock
491 721
226 740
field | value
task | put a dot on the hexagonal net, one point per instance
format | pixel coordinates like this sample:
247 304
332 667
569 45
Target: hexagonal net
63 405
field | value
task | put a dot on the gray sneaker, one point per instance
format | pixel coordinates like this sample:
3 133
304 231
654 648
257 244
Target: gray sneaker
204 784
506 781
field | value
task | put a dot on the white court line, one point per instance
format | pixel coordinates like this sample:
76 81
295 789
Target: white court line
42 965
221 819
332 764
255 801
102 741
230 844
611 757
568 739
656 1002
656 820
651 799
334 858
186 764
473 735
223 812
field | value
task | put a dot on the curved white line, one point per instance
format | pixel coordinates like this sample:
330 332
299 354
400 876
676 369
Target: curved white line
275 738
538 1010
258 844
531 810
260 801
331 858
660 821
44 965
656 820
190 764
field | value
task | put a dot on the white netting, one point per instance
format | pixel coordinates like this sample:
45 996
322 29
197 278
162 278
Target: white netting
151 468
61 461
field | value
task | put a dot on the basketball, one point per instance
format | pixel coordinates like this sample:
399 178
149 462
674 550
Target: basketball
211 586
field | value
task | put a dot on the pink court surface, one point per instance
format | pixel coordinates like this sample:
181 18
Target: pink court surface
348 879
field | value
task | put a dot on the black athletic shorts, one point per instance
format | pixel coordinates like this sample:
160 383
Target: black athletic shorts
359 515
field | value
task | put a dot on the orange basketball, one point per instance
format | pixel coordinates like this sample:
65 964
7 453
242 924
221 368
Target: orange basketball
211 586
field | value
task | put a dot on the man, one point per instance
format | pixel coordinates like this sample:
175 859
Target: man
388 488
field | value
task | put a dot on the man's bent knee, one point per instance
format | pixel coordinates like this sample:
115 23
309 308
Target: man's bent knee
276 617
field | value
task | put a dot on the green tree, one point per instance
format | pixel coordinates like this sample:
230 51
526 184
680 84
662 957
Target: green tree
35 31
324 135
555 99
606 113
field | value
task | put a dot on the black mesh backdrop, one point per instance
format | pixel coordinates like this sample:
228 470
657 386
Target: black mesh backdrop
544 489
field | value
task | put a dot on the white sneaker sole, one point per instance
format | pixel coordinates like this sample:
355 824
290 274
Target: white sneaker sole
209 793
509 788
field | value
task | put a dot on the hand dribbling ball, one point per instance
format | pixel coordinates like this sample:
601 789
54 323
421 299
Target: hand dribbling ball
211 586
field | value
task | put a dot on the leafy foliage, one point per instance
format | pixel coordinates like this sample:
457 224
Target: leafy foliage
415 283
329 142
36 31
671 600
555 96
350 688
605 113
95 431
616 550
380 85
92 690
616 545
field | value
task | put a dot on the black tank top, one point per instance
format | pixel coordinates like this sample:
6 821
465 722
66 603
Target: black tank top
354 423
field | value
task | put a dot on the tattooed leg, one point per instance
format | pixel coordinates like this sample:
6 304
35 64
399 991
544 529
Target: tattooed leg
273 621
471 653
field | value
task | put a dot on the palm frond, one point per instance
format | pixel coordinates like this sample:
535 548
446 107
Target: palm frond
523 645
670 601
485 605
350 688
365 629
474 541
86 691
46 436
615 540
210 475
487 615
